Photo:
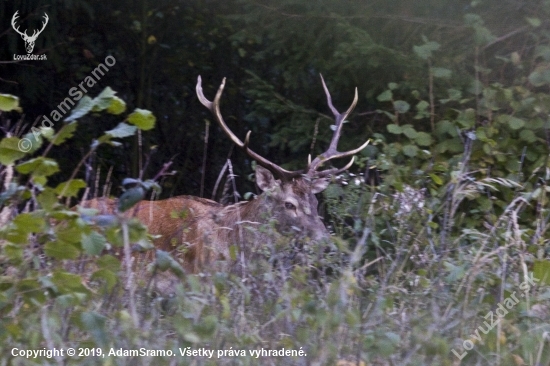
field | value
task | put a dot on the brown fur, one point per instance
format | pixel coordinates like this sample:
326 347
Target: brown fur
199 231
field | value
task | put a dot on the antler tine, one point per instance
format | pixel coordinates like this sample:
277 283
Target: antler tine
332 152
329 98
335 171
46 18
338 117
214 107
13 20
36 32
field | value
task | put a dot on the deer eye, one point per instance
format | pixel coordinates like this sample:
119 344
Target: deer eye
289 206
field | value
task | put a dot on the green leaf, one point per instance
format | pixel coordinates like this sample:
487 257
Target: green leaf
10 150
467 118
513 165
543 51
82 108
162 261
108 262
481 134
47 132
117 106
93 243
16 235
66 132
540 76
453 145
528 136
30 142
422 105
14 253
9 103
541 271
475 87
422 110
233 252
70 188
67 282
401 106
29 222
515 58
110 278
425 51
441 72
122 130
454 94
423 139
436 179
130 198
391 116
513 122
104 99
176 268
535 22
392 86
386 96
410 150
61 250
482 35
142 119
395 129
47 199
31 290
191 337
94 324
409 131
70 233
63 214
39 167
456 273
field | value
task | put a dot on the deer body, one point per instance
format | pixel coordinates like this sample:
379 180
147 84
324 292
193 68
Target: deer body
179 220
199 231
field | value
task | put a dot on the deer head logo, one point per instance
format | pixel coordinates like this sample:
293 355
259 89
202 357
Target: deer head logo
29 40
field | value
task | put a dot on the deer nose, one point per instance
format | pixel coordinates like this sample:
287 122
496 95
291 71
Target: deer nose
323 236
319 234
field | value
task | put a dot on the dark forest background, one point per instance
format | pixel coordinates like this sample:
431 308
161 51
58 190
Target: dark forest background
271 54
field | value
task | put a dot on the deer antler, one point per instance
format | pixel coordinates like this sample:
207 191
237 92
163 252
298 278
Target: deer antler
24 34
43 25
332 152
214 107
13 19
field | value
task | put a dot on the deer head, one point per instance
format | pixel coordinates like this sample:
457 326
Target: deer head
29 40
290 195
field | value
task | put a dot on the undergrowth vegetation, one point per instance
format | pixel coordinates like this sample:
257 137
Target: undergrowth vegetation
444 261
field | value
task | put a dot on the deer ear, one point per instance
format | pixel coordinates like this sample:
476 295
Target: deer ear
264 178
319 185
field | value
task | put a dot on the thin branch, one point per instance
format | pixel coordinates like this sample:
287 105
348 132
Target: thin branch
204 157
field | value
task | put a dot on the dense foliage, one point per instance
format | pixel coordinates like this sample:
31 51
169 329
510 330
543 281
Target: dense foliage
454 95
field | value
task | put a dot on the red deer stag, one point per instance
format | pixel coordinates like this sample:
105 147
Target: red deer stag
203 230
